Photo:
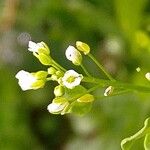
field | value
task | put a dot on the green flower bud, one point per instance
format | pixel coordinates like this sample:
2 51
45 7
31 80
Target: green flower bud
54 77
59 90
38 84
45 59
41 74
60 81
86 98
51 70
59 73
59 100
83 47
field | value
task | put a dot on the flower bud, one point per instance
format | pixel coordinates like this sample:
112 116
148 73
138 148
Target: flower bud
83 47
51 70
73 55
54 77
58 90
29 81
38 47
45 59
41 74
59 73
58 105
86 98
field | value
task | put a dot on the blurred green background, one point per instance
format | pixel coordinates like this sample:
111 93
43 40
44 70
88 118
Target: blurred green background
118 32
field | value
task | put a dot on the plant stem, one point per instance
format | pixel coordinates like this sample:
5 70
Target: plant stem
59 66
101 67
84 69
117 84
88 91
115 94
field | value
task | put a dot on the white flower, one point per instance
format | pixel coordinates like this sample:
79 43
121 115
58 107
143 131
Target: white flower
38 47
147 76
138 69
73 55
56 107
34 47
71 79
108 91
28 81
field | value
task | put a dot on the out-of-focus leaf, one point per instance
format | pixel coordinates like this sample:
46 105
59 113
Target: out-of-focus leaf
128 142
80 108
147 142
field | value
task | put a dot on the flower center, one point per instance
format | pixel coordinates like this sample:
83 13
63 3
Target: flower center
71 79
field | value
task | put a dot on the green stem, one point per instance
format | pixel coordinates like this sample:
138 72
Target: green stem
115 94
84 69
117 84
59 66
101 67
88 91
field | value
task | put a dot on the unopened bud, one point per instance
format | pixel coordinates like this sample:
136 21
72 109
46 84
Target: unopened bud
86 98
45 59
83 47
73 55
58 91
51 70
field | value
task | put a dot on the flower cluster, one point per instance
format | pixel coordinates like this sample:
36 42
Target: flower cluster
70 96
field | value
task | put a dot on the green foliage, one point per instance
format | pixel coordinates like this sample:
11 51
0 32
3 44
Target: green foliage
118 33
127 143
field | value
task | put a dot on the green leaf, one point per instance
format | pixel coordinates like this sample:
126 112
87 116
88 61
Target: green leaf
80 108
128 142
72 94
147 142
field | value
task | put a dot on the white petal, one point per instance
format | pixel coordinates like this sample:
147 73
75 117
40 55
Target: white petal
76 82
26 80
55 107
147 76
33 47
70 53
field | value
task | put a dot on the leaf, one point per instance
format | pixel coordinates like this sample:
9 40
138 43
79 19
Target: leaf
76 92
128 142
79 108
147 142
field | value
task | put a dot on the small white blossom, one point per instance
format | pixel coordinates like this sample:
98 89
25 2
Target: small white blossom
28 81
138 69
147 76
73 55
108 91
71 79
34 47
56 107
37 48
